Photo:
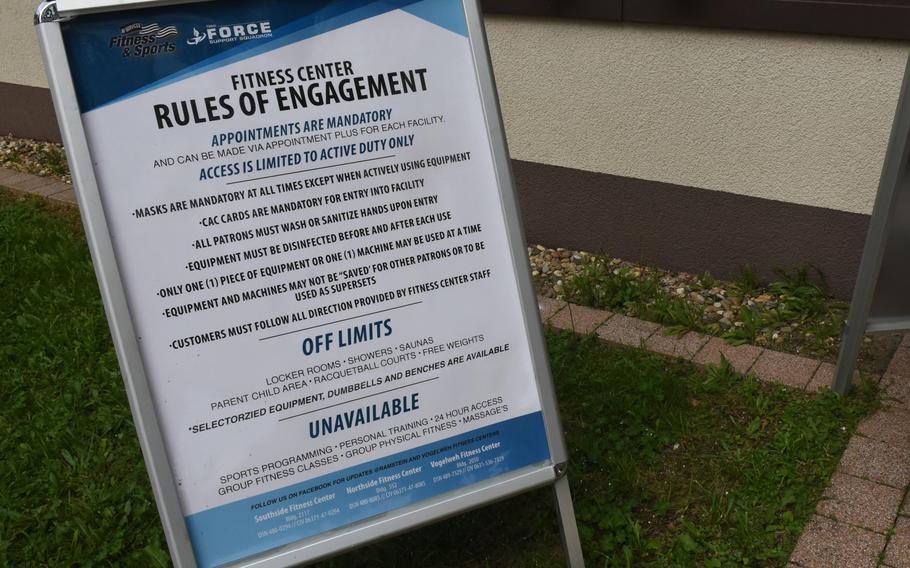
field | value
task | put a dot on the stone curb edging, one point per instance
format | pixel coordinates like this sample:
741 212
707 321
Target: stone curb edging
38 186
863 519
767 365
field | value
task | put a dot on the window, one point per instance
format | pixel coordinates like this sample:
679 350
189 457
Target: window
889 19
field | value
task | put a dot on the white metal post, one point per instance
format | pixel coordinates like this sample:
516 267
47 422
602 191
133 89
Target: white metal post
571 542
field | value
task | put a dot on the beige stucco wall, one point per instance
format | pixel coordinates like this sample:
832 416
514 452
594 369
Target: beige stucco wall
802 119
20 61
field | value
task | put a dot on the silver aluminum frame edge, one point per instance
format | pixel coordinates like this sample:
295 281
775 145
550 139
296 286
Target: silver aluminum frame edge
136 382
117 6
110 285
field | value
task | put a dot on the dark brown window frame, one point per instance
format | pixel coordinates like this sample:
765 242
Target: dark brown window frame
885 19
593 9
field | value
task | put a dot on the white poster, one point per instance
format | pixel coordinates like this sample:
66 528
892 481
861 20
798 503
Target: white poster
306 217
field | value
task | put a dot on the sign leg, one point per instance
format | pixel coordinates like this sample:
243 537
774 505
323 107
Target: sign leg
571 542
846 360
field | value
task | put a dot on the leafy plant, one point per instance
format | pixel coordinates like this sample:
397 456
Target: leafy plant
708 280
802 298
679 314
752 324
746 280
599 286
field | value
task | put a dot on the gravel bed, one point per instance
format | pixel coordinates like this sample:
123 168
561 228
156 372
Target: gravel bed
34 157
554 269
721 305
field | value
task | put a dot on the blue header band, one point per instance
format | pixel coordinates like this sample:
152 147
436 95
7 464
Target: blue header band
117 55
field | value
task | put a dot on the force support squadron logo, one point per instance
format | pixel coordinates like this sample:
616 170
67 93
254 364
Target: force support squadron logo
219 34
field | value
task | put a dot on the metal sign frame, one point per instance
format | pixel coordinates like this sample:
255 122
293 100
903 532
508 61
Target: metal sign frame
136 381
881 296
77 7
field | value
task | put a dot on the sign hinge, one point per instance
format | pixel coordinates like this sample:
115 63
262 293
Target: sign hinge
47 13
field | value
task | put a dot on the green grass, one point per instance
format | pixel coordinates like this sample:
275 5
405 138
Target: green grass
671 465
74 489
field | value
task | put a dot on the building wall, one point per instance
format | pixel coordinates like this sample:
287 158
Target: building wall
801 119
20 63
687 148
25 105
697 149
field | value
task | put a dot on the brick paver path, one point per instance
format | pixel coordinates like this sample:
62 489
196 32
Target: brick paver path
864 517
